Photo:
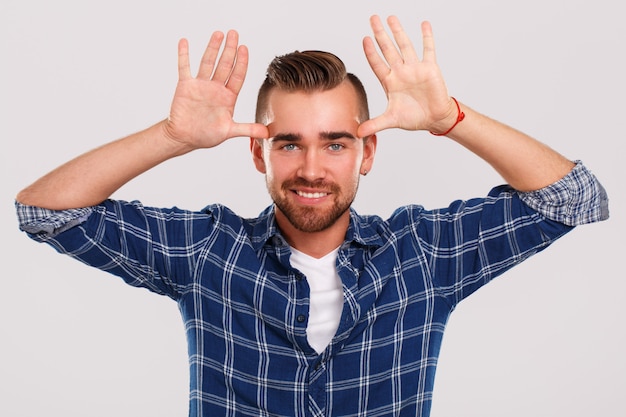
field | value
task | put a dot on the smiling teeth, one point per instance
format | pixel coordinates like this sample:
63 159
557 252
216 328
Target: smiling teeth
312 195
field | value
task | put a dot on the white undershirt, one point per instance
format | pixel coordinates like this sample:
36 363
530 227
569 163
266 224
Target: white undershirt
326 296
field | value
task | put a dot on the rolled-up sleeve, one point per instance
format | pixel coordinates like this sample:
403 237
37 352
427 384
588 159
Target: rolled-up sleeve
43 224
147 247
576 199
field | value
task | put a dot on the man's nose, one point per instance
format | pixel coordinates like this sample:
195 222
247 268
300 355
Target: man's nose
312 165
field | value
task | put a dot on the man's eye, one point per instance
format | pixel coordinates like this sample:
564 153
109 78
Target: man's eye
290 147
335 146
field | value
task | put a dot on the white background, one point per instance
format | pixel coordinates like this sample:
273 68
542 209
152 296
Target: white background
547 339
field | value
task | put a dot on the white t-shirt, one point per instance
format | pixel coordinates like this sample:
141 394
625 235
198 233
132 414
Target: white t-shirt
326 296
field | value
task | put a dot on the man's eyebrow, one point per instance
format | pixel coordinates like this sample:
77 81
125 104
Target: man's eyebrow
327 135
286 137
341 134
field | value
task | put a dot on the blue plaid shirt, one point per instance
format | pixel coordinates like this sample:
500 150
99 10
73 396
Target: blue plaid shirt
245 308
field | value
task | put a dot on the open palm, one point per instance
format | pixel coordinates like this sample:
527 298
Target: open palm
201 115
416 92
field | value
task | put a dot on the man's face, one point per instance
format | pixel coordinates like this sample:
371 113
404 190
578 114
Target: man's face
313 158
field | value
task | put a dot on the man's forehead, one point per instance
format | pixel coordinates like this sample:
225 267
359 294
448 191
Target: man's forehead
339 104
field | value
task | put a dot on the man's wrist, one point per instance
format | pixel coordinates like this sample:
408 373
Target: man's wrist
172 146
452 120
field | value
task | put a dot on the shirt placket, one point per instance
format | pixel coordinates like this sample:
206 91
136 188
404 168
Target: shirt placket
297 319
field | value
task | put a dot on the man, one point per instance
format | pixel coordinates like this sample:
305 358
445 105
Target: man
310 308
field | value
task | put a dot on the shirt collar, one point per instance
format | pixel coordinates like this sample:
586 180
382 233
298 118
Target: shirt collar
363 230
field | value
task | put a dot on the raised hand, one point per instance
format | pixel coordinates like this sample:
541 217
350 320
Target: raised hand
201 114
416 92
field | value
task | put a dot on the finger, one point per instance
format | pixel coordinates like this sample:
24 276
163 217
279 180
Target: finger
365 129
402 40
373 126
207 64
378 65
386 45
251 130
238 75
183 60
227 60
429 42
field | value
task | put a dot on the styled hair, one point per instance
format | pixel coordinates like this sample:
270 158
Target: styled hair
308 71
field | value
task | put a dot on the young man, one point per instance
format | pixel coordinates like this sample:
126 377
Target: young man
311 309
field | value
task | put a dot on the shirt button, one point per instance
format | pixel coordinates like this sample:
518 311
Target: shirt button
301 318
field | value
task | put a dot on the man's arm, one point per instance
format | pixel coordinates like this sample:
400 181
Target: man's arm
201 116
525 163
419 100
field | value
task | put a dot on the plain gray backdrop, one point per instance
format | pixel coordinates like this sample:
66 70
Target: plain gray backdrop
546 339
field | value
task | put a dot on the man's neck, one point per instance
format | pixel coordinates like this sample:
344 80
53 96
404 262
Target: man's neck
315 244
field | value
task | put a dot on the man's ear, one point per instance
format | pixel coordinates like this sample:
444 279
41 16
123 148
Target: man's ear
256 148
369 151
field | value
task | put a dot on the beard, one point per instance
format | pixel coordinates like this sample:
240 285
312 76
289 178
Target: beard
311 219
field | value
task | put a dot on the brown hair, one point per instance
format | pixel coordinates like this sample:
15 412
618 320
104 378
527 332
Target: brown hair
308 71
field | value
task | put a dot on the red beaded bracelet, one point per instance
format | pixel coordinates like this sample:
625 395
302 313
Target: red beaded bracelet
459 118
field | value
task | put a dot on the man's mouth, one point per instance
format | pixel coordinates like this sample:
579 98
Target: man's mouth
311 195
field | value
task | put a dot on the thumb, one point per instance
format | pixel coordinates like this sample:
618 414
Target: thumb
252 130
372 126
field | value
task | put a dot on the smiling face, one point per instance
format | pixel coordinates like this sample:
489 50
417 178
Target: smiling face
313 158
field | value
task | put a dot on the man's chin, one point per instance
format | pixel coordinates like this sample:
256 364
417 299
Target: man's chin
310 220
312 224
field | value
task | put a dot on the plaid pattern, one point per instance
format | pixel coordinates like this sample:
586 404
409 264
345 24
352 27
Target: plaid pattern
245 308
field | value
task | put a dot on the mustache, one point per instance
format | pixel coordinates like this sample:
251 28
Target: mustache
316 185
